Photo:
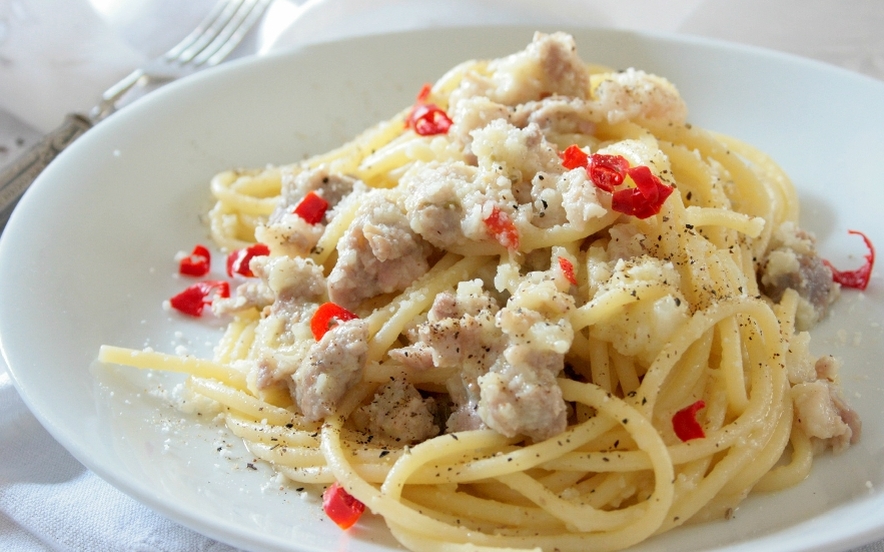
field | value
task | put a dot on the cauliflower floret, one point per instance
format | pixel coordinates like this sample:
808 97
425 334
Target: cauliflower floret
549 65
634 94
399 412
521 152
642 329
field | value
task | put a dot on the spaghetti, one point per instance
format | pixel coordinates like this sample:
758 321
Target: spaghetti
535 310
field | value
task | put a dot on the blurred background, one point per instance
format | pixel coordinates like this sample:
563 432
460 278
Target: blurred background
57 56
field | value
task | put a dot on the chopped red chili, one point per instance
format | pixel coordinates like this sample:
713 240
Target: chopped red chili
860 277
311 208
194 298
646 199
198 263
422 96
502 228
568 270
646 182
428 120
238 260
573 157
607 171
341 507
327 315
685 423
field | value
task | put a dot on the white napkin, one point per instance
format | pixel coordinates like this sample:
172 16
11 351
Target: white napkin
58 56
48 501
47 69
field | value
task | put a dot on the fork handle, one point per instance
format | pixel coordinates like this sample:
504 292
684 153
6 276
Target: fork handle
18 176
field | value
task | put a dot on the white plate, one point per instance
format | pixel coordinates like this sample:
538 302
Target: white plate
87 260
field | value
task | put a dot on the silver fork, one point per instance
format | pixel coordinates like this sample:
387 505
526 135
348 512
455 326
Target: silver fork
207 45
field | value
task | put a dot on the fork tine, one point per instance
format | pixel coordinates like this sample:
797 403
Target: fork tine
221 47
200 30
212 40
227 16
219 33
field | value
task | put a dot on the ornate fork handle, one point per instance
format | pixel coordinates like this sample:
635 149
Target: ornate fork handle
17 176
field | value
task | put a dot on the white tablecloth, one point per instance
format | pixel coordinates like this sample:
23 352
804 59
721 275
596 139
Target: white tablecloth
56 56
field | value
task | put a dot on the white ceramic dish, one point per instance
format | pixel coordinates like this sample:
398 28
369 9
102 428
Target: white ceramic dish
87 260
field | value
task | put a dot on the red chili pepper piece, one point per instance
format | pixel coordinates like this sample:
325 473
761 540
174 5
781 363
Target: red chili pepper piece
859 278
325 316
198 263
312 208
568 270
238 260
685 424
425 118
422 96
341 507
607 171
631 202
502 228
428 120
573 157
646 182
646 199
194 298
